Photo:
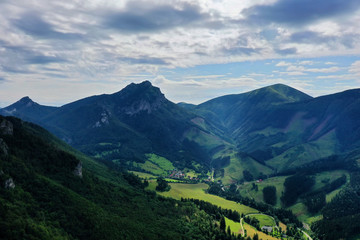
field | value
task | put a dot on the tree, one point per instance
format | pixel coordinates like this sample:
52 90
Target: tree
162 185
222 223
248 176
294 187
228 230
269 194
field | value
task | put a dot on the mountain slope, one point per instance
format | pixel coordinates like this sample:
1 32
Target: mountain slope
46 194
287 132
234 111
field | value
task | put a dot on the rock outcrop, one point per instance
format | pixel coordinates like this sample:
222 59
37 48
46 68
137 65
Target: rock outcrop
4 149
6 127
9 184
78 170
144 105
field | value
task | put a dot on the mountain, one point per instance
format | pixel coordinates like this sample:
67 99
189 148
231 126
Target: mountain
236 112
285 128
265 131
27 109
50 191
125 126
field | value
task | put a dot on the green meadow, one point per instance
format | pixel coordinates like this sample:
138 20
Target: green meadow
197 191
235 227
264 220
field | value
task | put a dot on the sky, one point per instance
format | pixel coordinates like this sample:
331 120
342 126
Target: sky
57 52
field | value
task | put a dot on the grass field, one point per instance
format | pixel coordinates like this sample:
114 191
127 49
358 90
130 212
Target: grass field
234 170
197 191
251 231
156 165
278 182
144 175
332 195
264 220
300 210
234 226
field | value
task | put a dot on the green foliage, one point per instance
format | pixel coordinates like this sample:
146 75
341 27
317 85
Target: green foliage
162 185
294 187
248 176
269 194
50 202
315 202
214 210
253 222
341 217
222 224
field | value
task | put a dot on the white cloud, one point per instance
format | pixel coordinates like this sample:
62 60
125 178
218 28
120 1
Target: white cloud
355 67
306 63
283 64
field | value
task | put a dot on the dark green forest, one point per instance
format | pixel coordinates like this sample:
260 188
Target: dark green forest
50 200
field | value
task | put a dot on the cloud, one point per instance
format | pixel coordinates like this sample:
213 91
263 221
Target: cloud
306 63
147 16
32 24
41 59
299 12
16 59
241 50
283 64
143 60
286 51
311 37
355 67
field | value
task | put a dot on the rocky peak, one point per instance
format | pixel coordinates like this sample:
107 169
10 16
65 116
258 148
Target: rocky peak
6 127
141 97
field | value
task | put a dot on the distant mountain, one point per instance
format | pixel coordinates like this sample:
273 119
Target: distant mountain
126 125
186 105
285 128
27 109
50 191
268 130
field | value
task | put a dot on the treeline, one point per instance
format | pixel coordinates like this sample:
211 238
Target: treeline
341 217
295 186
253 222
334 162
316 200
269 194
214 210
281 214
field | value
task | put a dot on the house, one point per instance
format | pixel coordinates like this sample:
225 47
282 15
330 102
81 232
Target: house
266 229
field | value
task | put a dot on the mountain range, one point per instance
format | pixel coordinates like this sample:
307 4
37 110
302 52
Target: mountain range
266 131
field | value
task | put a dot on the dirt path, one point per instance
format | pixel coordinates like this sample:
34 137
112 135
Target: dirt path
307 235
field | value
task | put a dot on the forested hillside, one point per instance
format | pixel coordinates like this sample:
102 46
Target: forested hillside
47 192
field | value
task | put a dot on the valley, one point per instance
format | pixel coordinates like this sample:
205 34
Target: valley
274 151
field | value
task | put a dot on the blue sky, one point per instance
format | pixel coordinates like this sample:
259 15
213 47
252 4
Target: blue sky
60 51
